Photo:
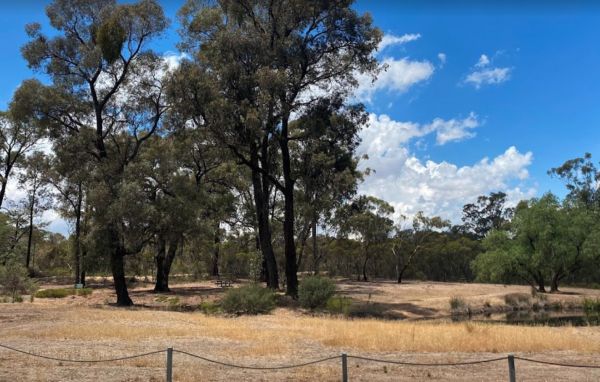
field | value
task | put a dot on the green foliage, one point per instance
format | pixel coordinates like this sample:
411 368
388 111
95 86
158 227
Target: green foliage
15 281
339 305
248 299
591 307
210 307
63 292
315 291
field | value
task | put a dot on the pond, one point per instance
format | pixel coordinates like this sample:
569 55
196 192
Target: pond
529 317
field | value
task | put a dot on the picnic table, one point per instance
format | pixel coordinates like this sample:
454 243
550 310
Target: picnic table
224 282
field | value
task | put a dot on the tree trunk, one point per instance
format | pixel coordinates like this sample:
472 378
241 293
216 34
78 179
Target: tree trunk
30 235
215 257
161 253
264 229
77 245
314 248
364 267
117 265
3 189
288 218
554 283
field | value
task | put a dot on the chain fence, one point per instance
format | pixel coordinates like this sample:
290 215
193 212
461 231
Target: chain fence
343 357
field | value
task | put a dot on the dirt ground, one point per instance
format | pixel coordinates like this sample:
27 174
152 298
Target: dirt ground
89 327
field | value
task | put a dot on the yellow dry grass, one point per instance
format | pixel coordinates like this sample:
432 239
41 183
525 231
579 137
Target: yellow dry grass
280 332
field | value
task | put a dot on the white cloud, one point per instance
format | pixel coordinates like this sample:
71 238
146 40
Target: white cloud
488 76
454 129
483 73
437 188
442 57
390 39
483 61
384 135
399 75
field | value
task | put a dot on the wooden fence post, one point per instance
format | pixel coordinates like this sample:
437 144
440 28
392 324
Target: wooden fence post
344 367
512 374
169 364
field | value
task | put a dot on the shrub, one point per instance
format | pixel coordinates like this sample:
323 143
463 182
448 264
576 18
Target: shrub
209 307
63 292
457 304
248 299
518 300
591 306
339 305
15 281
315 291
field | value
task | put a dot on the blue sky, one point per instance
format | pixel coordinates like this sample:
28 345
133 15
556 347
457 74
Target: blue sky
531 103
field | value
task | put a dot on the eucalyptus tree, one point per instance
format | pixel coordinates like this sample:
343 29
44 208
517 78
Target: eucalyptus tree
367 219
33 179
410 243
487 213
105 88
582 178
325 166
67 174
18 135
273 59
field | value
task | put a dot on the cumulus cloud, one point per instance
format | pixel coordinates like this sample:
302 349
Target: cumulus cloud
390 39
398 75
483 73
441 188
384 135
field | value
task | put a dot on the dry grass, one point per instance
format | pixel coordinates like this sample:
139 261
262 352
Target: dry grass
273 334
78 331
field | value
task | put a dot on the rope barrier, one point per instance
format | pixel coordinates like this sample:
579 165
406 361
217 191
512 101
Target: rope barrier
256 367
280 367
81 360
426 364
557 364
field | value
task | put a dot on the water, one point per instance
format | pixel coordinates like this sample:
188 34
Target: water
528 317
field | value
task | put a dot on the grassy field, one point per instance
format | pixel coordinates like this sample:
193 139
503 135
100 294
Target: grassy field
88 327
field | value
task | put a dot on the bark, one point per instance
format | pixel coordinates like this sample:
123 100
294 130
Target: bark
164 260
288 218
264 229
117 264
215 257
364 267
77 249
554 283
316 257
161 254
30 234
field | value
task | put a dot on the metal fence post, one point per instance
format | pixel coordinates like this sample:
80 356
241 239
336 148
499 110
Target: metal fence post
169 364
512 374
344 367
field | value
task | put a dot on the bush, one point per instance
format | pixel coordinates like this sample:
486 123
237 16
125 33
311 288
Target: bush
63 292
209 307
15 281
315 291
518 300
339 305
249 299
457 304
